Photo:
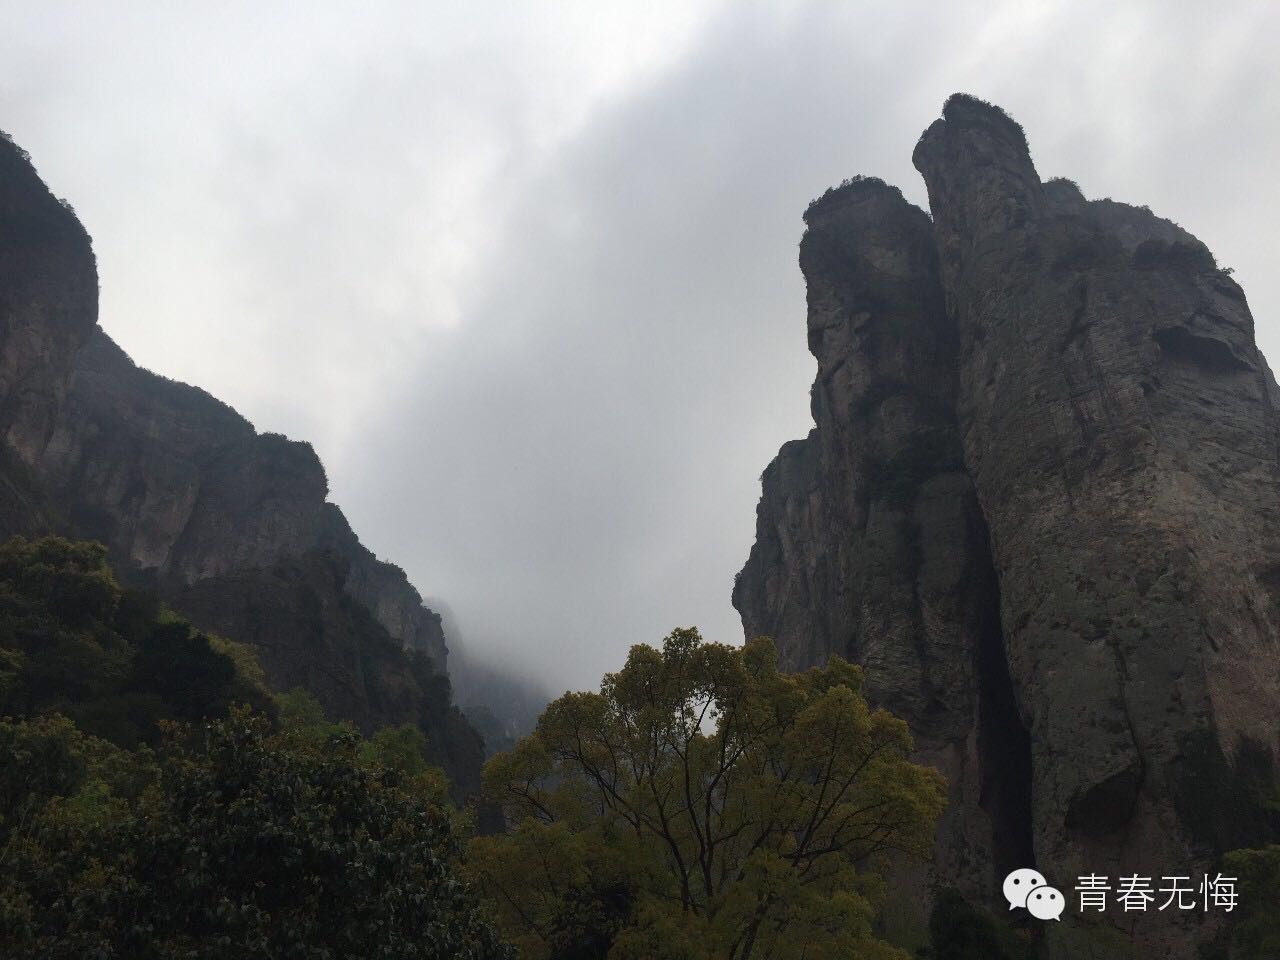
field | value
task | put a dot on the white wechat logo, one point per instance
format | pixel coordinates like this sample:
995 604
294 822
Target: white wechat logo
1046 903
1020 883
1028 888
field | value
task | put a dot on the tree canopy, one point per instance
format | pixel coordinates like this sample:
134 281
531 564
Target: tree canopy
705 805
148 810
74 642
246 844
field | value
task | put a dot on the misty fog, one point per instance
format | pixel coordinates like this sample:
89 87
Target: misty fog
529 284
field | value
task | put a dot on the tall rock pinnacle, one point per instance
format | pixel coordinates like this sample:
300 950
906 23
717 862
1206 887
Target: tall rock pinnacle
1100 661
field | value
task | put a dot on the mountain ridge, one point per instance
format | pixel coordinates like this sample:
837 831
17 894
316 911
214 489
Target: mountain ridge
230 526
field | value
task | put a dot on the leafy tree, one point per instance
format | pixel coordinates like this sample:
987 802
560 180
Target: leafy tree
249 845
57 601
402 749
1255 927
47 758
705 805
960 931
271 835
73 642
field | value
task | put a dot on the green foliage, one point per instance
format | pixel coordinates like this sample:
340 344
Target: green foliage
301 714
72 641
8 138
248 844
238 838
848 187
960 931
399 748
1066 182
980 111
705 805
402 749
48 758
249 682
1255 923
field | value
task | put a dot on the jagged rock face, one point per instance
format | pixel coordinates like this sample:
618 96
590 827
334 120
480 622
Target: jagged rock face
310 632
1118 436
230 526
870 542
1121 429
181 488
48 305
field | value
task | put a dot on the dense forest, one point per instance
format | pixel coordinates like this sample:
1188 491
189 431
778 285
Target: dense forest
159 801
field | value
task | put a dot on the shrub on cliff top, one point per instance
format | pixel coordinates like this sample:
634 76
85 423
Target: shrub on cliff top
848 186
975 107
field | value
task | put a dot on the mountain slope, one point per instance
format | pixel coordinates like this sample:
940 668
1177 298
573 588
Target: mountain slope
229 526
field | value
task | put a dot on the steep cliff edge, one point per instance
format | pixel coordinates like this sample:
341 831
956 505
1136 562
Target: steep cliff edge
181 488
231 527
870 541
48 305
1100 417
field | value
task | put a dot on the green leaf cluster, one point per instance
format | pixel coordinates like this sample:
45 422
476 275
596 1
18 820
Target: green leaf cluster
147 811
1254 927
704 805
73 642
247 843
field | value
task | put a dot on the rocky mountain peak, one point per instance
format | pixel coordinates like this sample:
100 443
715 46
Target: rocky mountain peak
1040 505
229 526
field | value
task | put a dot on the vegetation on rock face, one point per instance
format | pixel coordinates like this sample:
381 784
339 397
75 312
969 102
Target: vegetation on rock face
1253 928
704 805
126 830
73 642
960 931
308 632
847 188
978 110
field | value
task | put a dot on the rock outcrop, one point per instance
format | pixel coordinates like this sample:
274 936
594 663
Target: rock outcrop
1041 505
181 488
231 527
871 542
48 305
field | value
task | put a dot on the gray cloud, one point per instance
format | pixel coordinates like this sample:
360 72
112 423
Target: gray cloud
530 285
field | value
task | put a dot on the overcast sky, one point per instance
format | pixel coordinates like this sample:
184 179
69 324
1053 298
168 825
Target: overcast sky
525 274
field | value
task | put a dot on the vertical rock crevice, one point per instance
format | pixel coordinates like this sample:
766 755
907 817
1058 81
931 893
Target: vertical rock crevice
871 540
1004 750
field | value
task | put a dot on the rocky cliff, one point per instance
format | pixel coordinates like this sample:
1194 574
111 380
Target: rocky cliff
48 305
1040 504
231 527
182 488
